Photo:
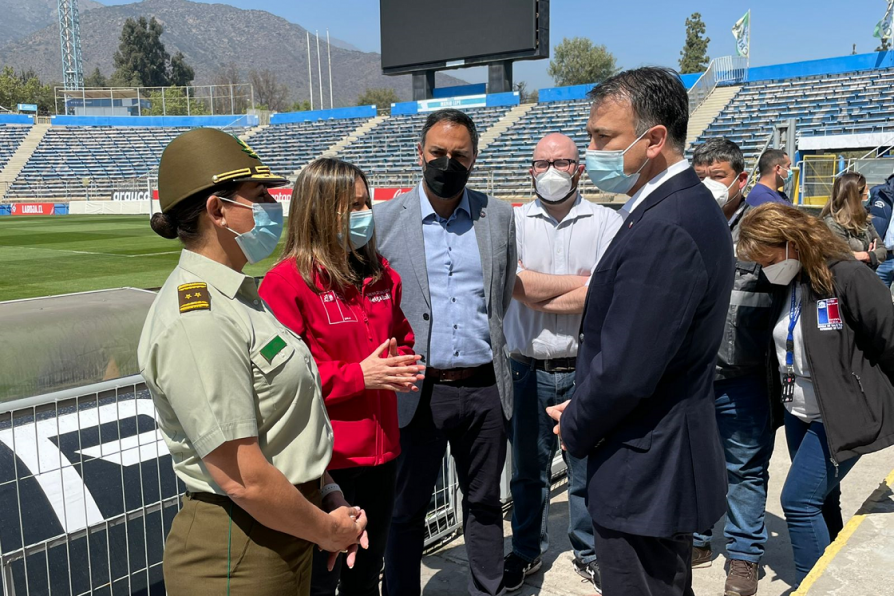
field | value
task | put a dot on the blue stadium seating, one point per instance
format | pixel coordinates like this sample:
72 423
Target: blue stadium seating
288 147
849 103
10 138
388 152
68 156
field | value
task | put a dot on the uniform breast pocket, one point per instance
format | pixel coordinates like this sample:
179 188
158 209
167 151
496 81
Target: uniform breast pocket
271 355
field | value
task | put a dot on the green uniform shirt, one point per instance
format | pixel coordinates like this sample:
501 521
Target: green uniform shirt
220 367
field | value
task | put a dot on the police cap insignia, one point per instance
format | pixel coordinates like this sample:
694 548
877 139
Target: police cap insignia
194 296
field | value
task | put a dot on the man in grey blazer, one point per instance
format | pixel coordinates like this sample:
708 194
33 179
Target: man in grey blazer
454 249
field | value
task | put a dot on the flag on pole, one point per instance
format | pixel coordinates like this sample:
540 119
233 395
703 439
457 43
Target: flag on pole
742 33
885 28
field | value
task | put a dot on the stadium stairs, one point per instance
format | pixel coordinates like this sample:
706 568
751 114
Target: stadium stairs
355 135
18 160
503 124
253 131
708 111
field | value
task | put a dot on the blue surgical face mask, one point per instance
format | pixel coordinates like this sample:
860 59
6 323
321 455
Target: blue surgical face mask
606 169
259 243
361 228
788 178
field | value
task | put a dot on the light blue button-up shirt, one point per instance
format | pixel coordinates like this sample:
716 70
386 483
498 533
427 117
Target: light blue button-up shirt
460 336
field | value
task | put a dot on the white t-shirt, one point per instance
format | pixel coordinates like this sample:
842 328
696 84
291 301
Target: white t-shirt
803 405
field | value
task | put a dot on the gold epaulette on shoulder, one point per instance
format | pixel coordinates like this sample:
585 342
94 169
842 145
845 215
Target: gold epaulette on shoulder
194 296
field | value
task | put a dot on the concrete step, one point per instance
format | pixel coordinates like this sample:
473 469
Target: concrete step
503 124
334 149
706 113
23 153
253 131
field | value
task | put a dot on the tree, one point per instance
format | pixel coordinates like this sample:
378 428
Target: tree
525 96
382 98
229 98
143 61
96 79
694 55
172 101
300 106
182 73
25 87
577 61
269 92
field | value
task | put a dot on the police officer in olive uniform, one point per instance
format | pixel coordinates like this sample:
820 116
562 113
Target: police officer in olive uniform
238 395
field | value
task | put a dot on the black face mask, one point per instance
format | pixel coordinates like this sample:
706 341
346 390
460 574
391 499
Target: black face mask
445 176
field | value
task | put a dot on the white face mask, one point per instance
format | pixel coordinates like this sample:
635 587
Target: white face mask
554 186
720 192
783 272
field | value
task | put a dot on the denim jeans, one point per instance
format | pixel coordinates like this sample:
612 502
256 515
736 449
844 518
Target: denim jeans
811 479
743 417
533 448
885 271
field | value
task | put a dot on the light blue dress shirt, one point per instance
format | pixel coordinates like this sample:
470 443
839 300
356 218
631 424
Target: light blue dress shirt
460 335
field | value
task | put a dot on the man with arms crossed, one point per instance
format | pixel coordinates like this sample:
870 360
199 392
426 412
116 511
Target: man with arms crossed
560 237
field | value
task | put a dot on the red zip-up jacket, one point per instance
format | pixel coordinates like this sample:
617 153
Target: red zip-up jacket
342 329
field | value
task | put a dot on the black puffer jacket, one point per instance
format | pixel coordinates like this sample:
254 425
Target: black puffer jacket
851 363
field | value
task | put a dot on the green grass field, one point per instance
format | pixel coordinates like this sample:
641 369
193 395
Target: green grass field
45 256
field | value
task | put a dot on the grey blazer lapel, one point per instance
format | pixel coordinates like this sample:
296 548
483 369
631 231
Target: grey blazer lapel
486 250
411 225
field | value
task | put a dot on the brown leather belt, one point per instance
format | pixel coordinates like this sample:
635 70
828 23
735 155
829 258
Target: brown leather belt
451 375
549 365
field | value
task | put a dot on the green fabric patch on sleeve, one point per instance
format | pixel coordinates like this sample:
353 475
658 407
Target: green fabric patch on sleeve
273 347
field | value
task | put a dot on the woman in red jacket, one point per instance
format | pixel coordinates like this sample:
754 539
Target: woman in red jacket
333 289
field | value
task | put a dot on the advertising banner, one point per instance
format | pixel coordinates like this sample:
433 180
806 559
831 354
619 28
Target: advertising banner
470 101
386 194
130 195
33 209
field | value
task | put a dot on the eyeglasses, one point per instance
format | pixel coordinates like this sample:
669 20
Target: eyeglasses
541 165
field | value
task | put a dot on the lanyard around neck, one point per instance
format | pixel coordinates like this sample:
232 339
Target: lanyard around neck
794 315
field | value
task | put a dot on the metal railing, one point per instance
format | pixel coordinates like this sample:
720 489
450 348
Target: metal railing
89 493
728 69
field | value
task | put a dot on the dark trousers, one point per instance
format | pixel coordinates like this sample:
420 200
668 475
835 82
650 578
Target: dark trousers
642 565
371 488
469 416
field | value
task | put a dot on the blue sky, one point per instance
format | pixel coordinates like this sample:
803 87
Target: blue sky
637 32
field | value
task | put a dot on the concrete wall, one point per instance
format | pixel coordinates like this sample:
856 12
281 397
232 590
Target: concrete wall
333 114
157 121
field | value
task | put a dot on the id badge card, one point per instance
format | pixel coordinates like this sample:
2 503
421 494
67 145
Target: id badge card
788 387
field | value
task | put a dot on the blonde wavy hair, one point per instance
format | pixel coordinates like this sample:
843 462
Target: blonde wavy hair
846 203
774 225
319 224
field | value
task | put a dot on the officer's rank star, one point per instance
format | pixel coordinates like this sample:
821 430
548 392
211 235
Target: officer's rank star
191 299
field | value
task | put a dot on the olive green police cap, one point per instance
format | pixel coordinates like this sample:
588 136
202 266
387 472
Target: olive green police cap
206 157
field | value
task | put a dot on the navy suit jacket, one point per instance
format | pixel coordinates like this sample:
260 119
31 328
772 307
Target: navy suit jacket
643 407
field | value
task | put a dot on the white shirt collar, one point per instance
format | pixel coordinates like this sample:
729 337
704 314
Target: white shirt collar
650 186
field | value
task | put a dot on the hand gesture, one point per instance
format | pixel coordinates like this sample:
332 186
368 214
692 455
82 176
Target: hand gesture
347 533
392 372
555 412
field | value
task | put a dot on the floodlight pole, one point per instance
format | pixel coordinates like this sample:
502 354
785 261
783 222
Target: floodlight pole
329 53
310 76
320 70
70 41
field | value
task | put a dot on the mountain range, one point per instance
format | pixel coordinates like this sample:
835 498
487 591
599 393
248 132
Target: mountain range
211 36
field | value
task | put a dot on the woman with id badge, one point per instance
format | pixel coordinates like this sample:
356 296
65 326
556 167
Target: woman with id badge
834 342
237 394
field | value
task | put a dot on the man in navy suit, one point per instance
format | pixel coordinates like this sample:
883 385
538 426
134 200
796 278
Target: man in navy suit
643 410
